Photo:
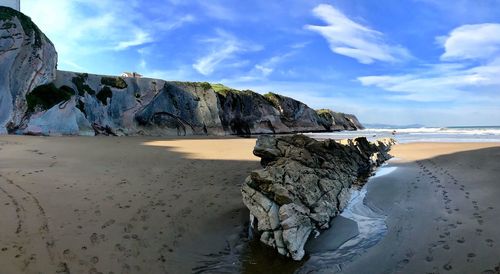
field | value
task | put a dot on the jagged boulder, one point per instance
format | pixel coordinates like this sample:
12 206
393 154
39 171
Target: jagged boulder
304 184
27 60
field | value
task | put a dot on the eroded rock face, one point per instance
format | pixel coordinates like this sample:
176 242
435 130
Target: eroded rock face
27 59
295 114
142 106
37 99
336 121
304 184
62 119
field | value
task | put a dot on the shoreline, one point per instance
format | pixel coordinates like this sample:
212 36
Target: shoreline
103 199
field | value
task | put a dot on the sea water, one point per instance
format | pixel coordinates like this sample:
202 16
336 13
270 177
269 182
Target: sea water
422 134
371 229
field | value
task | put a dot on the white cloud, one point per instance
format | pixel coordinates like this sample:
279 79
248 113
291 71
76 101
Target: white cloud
80 28
459 80
441 83
224 49
267 67
480 41
354 40
140 38
264 70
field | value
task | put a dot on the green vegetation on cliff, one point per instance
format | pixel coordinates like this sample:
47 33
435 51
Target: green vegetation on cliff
46 96
104 94
273 99
116 82
81 86
219 87
324 113
202 85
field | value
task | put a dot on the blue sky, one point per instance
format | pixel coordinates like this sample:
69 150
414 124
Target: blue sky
433 62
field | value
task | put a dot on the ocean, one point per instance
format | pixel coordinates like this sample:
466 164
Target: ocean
422 134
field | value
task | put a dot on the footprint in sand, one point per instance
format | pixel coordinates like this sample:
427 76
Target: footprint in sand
447 267
108 223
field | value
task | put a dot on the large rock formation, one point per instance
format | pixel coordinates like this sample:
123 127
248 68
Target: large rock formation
27 60
142 106
37 99
304 184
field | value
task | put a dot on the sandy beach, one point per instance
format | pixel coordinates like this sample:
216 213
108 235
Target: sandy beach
160 205
121 205
442 211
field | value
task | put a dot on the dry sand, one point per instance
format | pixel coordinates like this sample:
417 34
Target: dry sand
151 205
122 205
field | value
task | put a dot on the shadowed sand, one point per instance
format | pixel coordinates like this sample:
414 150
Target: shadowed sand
145 205
126 205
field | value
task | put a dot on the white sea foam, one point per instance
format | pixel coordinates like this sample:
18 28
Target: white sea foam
424 134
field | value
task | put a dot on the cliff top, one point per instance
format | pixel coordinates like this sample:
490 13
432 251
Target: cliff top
30 28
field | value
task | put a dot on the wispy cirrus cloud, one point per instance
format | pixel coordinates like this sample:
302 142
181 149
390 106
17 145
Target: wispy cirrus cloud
140 38
224 49
79 28
268 66
354 40
458 77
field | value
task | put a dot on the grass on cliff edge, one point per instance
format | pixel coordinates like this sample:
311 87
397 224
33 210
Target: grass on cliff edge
325 113
273 99
116 82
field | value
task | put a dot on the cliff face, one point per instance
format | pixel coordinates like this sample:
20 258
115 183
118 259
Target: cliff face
99 104
37 99
304 184
27 60
336 121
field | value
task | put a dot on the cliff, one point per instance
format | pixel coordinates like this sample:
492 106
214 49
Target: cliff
304 183
27 60
37 99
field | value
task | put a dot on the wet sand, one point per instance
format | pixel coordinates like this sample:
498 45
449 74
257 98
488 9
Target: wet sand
443 211
150 205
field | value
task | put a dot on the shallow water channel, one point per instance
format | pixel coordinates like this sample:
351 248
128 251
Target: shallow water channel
358 228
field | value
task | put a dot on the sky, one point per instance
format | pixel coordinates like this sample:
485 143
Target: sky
430 62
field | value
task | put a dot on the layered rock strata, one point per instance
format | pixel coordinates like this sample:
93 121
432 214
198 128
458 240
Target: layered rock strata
304 183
